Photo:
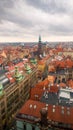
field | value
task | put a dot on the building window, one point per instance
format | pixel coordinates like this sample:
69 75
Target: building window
33 127
24 126
53 110
62 111
68 112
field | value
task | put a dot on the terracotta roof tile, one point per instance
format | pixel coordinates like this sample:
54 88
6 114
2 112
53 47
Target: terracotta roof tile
55 113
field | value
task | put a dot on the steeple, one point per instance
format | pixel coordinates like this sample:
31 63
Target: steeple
39 47
39 38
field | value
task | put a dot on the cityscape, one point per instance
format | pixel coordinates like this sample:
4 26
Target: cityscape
34 78
36 65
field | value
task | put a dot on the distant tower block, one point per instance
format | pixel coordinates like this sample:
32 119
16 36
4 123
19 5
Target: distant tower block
1 89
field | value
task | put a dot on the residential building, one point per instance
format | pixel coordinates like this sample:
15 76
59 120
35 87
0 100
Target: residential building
17 85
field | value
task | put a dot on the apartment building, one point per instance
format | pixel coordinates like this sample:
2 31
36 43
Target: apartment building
15 93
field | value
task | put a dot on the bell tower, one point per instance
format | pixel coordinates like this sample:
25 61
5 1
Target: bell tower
39 47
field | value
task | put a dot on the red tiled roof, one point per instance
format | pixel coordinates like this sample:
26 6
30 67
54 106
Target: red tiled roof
55 113
62 85
12 80
31 111
70 83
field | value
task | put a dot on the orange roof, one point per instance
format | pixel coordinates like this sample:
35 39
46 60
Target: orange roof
31 111
55 112
36 93
42 83
70 83
41 62
12 80
62 85
63 63
3 54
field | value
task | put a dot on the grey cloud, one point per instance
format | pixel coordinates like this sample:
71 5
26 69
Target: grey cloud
49 6
8 13
28 19
60 30
4 4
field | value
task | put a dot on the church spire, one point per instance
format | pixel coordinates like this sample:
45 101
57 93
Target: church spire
39 38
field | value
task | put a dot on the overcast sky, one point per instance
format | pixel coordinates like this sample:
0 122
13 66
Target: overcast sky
24 20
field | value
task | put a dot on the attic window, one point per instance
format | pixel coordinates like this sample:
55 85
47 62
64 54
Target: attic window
30 106
35 106
36 96
53 110
62 111
46 105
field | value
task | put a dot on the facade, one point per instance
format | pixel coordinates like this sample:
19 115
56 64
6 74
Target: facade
58 116
16 90
68 53
58 101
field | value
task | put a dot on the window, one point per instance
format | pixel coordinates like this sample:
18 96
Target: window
24 126
62 111
53 110
68 112
33 127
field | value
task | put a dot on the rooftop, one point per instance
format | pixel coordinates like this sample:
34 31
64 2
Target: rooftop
31 111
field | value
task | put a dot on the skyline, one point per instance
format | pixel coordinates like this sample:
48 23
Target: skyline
24 20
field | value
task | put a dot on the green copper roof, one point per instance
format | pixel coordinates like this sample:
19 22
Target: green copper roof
18 76
34 61
1 89
28 69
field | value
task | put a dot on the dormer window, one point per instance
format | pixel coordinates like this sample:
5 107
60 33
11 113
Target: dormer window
62 110
68 112
53 110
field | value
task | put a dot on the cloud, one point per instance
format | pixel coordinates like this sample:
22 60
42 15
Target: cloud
52 6
29 18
